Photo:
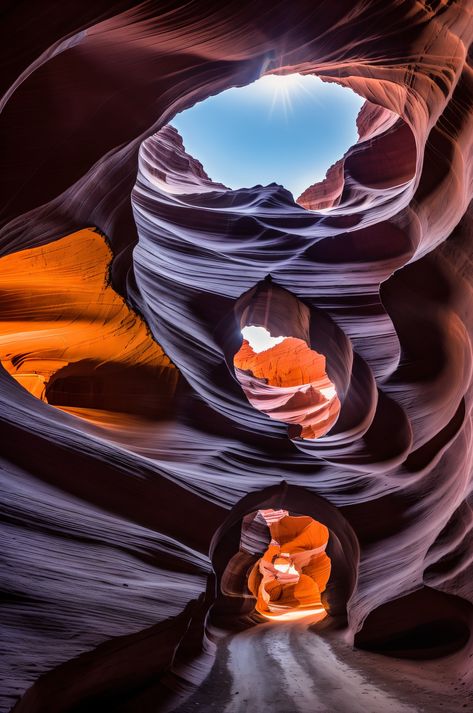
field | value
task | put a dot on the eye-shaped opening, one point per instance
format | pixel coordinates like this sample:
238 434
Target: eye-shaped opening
301 528
284 129
280 373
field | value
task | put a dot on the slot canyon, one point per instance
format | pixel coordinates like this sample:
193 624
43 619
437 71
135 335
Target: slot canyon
236 422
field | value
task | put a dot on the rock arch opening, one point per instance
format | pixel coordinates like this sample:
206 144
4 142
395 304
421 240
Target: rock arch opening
243 539
280 373
286 129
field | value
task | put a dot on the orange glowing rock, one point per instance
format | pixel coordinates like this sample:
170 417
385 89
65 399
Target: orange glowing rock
283 592
290 363
69 339
289 383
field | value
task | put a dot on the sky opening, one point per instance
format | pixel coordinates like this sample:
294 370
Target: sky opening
260 339
280 129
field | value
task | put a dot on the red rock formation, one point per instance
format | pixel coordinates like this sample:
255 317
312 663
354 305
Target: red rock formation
372 121
326 193
288 381
293 572
290 363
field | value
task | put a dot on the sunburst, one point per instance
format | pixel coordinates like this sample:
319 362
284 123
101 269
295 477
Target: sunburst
283 89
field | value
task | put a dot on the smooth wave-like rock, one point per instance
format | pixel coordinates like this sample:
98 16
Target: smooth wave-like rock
95 353
116 525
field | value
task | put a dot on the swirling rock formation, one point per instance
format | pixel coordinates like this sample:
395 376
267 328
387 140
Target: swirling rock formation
291 576
115 527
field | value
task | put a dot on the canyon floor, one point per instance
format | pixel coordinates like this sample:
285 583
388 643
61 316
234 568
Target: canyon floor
286 668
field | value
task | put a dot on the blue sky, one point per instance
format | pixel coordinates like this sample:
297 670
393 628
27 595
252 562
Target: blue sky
288 130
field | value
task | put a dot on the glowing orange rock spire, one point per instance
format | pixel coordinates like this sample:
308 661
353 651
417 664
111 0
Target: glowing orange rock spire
292 574
69 339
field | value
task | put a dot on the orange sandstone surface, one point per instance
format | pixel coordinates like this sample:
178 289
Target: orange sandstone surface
302 540
69 339
289 383
290 363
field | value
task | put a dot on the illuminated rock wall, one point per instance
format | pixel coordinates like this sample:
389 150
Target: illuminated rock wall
69 339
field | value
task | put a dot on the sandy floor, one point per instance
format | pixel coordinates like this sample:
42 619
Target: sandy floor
284 668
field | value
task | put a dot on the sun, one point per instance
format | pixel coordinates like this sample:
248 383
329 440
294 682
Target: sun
283 89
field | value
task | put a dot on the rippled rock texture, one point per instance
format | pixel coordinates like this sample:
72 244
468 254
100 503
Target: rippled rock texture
120 527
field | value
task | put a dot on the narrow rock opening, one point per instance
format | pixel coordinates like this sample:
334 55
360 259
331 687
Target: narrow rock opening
243 539
282 376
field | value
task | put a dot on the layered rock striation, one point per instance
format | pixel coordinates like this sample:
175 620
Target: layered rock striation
119 530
